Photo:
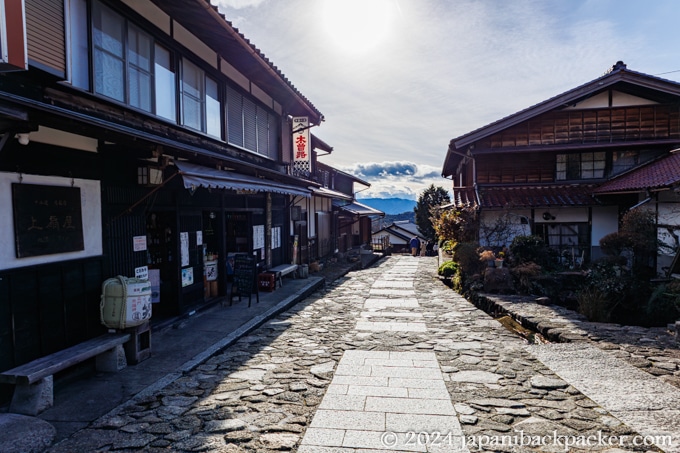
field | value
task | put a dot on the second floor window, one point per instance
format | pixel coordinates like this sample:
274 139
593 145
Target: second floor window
108 34
125 63
250 126
129 66
580 166
200 100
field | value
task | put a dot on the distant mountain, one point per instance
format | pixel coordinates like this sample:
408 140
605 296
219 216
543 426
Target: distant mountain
390 205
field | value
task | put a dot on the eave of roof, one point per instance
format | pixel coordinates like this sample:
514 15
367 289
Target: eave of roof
503 197
357 208
398 234
662 173
317 143
328 193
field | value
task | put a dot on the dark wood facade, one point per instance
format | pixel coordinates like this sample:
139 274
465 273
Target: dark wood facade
57 129
591 127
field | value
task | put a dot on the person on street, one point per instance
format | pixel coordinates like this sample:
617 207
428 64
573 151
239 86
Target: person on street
415 245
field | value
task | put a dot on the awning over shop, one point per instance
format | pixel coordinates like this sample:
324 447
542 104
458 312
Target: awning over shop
195 176
328 193
357 208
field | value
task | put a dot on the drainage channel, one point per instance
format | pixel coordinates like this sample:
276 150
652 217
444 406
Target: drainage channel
501 315
531 336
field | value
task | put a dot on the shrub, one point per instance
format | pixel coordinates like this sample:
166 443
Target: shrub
594 304
529 248
448 269
613 294
465 254
640 226
447 246
456 225
663 305
610 278
524 275
614 244
458 281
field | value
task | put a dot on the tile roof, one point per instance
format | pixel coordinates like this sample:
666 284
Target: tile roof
526 196
658 174
463 197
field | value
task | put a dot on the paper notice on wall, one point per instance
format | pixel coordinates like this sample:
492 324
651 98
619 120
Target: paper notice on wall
184 248
276 237
187 276
139 243
142 272
258 237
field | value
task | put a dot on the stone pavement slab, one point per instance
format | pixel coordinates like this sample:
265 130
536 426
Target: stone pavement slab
650 407
393 409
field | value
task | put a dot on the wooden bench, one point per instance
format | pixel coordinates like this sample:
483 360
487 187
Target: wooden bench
281 271
33 381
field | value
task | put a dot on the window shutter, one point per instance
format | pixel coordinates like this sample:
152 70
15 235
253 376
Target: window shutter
262 131
234 117
249 124
273 137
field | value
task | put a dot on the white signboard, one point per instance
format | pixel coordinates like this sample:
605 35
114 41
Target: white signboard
199 238
142 272
301 145
139 243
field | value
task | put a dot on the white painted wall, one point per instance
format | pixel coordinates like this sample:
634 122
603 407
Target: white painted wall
515 228
668 212
90 204
562 215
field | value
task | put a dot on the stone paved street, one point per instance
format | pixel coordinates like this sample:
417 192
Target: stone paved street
390 359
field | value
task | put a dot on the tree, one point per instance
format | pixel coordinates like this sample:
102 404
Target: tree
429 199
457 225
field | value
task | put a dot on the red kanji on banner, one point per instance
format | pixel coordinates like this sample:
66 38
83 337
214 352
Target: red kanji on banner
301 143
301 155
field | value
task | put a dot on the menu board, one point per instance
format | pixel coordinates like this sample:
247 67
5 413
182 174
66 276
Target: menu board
244 277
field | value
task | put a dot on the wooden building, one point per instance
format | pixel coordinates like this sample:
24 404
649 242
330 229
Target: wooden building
135 136
550 169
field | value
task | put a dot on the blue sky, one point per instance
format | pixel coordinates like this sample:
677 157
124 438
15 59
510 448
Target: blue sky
398 79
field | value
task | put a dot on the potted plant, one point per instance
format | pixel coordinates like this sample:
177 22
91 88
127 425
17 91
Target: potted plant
488 256
500 259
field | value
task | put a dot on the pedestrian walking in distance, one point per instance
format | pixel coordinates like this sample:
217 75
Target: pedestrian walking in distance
415 245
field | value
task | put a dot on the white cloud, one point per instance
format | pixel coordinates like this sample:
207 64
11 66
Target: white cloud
237 4
401 179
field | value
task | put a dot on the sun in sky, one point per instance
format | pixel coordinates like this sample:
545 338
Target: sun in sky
358 26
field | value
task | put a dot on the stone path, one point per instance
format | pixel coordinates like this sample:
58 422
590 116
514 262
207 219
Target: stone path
386 399
636 398
654 350
377 397
333 372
